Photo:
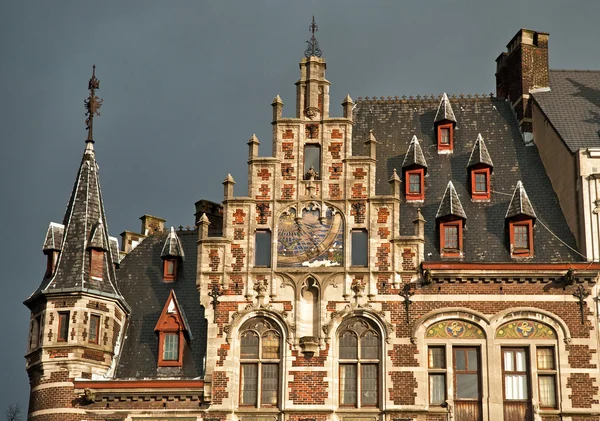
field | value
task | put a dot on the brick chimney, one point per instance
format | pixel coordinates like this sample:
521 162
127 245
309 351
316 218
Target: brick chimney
151 224
521 70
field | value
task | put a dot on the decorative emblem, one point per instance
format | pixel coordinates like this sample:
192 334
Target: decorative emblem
92 104
525 329
455 329
313 50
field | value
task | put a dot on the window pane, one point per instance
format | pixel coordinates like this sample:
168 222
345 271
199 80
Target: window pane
521 236
348 346
312 158
515 386
467 386
437 357
508 361
63 322
369 384
170 266
270 345
480 182
450 236
270 374
472 360
547 391
414 185
520 362
437 389
171 347
249 384
348 384
94 328
459 359
369 346
249 345
545 359
359 248
262 250
445 137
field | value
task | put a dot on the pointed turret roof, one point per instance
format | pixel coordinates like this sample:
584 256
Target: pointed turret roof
172 246
520 204
450 204
444 111
54 237
414 155
84 228
480 154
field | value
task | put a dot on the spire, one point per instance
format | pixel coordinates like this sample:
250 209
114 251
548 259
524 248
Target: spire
84 228
92 104
414 155
450 204
444 112
520 204
172 246
480 154
313 50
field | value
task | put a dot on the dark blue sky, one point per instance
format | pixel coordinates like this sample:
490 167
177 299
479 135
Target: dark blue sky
186 83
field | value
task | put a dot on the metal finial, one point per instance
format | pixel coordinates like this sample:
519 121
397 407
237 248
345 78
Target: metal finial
313 50
92 104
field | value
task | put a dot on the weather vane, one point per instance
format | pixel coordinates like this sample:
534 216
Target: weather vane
92 104
313 50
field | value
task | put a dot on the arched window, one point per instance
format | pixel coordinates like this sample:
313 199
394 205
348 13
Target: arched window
260 357
359 356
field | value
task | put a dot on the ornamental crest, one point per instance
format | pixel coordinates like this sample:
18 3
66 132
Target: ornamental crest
525 329
455 329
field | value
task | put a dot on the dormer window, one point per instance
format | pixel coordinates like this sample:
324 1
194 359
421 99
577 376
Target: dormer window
451 218
51 260
414 167
169 269
52 246
172 329
415 184
451 238
172 255
520 218
480 167
444 123
96 264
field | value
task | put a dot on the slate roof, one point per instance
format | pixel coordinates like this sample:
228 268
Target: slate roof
480 154
84 226
573 106
54 237
172 246
444 112
395 122
142 285
519 203
450 204
414 155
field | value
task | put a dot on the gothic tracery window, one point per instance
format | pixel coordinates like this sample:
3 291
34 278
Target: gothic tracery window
260 357
359 356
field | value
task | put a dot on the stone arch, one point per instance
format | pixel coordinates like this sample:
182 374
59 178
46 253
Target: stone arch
378 318
458 313
534 314
280 318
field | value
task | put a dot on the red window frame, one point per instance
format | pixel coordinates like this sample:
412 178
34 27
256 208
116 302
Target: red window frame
63 320
161 344
445 146
411 195
96 263
477 194
446 251
170 275
521 251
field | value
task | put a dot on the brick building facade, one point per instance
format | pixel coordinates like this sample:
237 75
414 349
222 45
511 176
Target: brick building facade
408 260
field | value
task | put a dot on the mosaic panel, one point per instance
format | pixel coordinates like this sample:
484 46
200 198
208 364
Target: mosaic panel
525 329
455 329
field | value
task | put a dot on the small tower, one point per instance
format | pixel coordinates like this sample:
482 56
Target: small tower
77 312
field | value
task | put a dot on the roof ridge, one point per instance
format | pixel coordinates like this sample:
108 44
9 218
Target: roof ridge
426 98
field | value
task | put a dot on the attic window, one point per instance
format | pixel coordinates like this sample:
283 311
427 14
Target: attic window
312 162
445 137
170 269
480 184
170 328
414 180
96 264
521 238
51 259
451 238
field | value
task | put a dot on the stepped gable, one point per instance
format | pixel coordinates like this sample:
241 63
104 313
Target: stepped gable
573 106
395 121
84 227
142 285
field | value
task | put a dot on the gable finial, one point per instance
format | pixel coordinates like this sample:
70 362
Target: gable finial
313 50
92 104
